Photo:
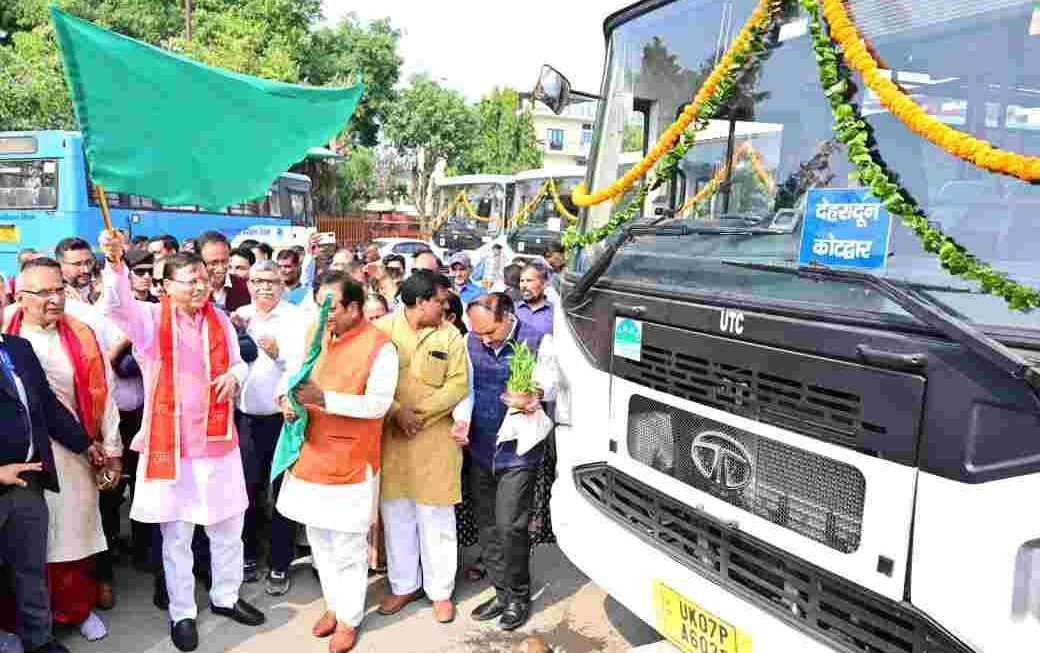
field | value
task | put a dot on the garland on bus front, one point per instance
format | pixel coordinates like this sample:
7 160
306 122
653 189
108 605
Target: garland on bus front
548 187
682 135
872 172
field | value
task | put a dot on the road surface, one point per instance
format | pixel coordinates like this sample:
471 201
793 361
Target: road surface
570 612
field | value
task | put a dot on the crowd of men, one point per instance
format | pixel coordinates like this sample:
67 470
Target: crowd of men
195 381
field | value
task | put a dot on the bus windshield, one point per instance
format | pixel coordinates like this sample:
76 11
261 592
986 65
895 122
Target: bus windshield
29 184
528 189
970 68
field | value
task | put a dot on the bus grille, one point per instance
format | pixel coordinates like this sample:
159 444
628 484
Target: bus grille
842 614
813 495
871 410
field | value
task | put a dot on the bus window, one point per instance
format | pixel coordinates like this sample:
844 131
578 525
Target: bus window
142 202
29 184
301 208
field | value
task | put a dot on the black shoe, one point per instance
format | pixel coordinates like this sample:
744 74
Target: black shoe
488 610
515 615
160 597
184 635
241 612
250 571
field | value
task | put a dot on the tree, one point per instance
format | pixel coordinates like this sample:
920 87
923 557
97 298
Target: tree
506 142
335 53
356 184
428 124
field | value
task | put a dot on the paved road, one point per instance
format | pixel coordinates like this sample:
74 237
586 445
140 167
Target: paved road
571 613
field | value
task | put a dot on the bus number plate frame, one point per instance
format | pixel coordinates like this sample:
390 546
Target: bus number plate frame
9 233
692 628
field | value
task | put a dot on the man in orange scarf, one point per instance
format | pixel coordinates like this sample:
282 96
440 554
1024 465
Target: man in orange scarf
77 371
190 470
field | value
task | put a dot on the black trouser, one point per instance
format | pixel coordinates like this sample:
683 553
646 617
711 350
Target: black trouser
23 546
110 501
258 437
502 502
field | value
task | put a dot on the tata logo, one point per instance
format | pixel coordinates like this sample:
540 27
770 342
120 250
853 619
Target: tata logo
722 460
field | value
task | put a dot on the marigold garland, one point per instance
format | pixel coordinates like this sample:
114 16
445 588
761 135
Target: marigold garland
961 145
856 134
735 56
560 208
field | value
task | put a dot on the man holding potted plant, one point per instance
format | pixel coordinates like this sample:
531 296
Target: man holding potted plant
514 370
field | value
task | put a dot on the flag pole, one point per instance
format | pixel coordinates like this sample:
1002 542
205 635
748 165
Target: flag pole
102 199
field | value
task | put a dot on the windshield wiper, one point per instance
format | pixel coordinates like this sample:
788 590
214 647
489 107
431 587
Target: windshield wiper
956 330
687 230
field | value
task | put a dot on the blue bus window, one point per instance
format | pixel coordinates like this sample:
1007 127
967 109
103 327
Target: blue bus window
28 184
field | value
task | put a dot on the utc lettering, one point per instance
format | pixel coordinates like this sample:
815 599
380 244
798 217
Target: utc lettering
731 321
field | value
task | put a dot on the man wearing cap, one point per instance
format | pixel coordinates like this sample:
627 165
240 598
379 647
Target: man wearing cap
461 269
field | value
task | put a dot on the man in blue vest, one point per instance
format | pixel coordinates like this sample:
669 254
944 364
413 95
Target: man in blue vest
502 480
31 415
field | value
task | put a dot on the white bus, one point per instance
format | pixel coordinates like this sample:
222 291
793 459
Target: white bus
477 220
755 455
543 222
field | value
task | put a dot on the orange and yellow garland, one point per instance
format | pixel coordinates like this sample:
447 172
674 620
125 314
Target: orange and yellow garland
910 113
581 196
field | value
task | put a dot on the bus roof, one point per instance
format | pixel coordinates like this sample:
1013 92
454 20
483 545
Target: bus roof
556 172
462 180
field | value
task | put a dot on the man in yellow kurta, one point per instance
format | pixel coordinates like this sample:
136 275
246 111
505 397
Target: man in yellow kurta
422 462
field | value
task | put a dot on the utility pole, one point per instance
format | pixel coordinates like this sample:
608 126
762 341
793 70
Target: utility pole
187 20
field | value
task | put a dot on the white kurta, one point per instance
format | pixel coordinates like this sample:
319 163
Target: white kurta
75 530
345 508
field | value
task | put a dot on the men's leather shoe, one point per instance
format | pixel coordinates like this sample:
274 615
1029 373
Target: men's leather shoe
394 603
106 598
184 635
515 615
343 639
324 626
489 609
241 612
444 611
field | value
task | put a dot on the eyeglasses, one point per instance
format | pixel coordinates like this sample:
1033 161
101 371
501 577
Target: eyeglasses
217 264
85 263
140 272
266 283
46 293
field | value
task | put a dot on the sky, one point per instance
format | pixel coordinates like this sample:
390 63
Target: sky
475 45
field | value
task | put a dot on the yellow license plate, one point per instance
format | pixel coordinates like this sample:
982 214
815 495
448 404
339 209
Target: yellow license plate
9 233
692 628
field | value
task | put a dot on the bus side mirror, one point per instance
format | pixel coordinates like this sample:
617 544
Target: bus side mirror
552 89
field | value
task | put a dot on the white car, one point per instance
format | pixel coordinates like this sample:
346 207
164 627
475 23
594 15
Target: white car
406 247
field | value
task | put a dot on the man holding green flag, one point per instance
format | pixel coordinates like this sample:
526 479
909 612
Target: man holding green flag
331 479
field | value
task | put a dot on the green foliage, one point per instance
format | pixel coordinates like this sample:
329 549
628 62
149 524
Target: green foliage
505 141
355 180
521 369
336 52
275 39
632 138
429 123
851 129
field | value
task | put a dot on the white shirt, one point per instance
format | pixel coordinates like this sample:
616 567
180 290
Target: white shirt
308 503
285 324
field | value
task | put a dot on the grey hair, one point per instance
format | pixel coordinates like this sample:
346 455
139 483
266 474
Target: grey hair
263 265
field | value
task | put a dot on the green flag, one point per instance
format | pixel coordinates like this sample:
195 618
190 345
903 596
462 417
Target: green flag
290 440
161 125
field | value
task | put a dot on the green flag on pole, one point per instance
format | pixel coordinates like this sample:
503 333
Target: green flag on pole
159 124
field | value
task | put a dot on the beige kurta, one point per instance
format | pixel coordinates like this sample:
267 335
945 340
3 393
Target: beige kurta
433 377
75 530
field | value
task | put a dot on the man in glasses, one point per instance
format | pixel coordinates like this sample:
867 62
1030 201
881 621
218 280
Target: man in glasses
190 472
275 325
77 371
229 291
77 267
142 271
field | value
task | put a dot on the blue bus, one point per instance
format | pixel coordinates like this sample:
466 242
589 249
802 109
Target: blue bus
46 195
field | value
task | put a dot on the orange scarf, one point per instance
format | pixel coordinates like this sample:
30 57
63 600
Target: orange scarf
163 451
88 369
